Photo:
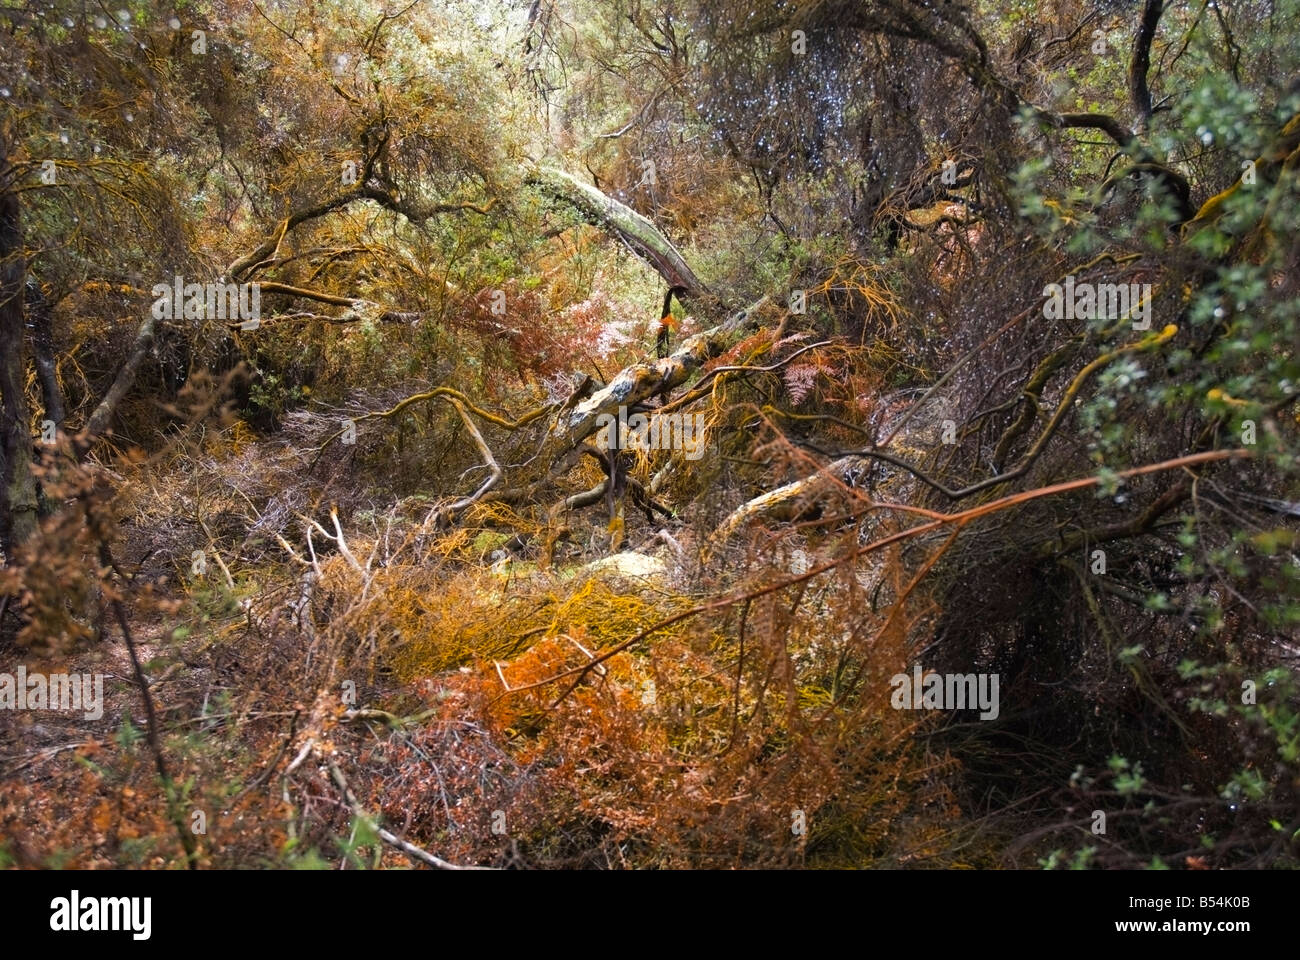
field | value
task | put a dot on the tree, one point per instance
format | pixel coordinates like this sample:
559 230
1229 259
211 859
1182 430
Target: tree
17 485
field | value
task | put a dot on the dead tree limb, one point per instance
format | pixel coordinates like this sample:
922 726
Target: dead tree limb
941 520
641 236
450 511
102 415
643 381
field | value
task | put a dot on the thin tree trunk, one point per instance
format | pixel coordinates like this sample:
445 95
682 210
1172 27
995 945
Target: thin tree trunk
38 309
102 415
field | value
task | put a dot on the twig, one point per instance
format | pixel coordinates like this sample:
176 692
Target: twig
155 744
410 849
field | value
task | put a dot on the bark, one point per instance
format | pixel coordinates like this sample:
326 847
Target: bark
642 237
785 502
38 309
103 414
643 381
1140 64
17 485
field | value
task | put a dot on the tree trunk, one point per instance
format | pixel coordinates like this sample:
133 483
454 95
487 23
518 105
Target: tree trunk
42 323
642 237
17 484
643 381
102 415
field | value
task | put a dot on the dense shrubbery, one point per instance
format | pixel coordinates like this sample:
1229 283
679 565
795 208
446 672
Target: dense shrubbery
378 580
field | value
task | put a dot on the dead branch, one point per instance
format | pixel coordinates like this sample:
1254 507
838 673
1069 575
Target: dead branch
961 518
410 849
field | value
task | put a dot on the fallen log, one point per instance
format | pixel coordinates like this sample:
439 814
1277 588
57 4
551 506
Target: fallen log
641 236
641 382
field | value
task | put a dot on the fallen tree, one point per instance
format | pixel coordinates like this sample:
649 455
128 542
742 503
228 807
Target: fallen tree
638 233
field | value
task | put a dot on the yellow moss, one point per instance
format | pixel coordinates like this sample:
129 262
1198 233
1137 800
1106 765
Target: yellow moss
473 619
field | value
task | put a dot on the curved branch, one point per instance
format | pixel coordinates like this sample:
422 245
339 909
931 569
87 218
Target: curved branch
1091 121
1040 444
431 395
495 472
251 261
961 518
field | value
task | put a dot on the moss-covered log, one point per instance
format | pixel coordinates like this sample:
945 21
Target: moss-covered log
641 236
642 381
